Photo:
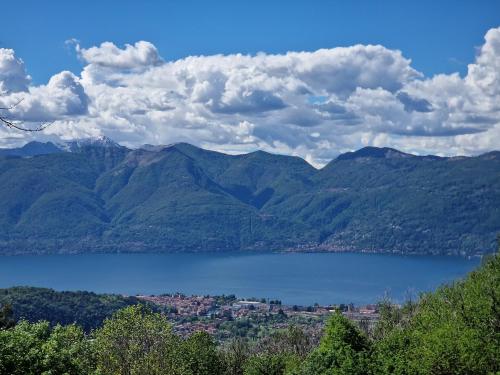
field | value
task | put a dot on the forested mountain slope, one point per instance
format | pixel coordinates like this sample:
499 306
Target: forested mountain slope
100 196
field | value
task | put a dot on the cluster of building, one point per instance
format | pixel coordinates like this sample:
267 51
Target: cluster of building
206 313
179 305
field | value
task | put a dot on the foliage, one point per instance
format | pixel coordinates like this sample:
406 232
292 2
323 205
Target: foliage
68 350
343 350
182 198
6 316
292 341
33 348
234 356
199 354
86 309
271 364
136 341
455 330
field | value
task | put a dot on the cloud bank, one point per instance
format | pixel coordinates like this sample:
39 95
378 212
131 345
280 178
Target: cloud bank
311 104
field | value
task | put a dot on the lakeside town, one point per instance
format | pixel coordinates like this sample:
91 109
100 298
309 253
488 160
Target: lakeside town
227 316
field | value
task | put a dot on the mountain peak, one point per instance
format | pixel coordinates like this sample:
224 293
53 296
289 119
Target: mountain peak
99 141
375 153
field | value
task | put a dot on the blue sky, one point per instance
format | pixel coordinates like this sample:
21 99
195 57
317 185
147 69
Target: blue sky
305 78
439 36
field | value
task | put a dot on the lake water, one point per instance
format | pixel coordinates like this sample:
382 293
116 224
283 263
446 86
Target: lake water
293 278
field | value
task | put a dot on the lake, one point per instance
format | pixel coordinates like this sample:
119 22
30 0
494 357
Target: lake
296 278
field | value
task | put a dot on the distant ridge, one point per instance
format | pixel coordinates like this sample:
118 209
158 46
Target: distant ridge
96 195
374 152
34 148
31 149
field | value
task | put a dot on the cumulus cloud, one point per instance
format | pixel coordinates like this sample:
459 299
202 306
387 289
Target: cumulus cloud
13 77
141 54
311 104
485 72
414 104
62 97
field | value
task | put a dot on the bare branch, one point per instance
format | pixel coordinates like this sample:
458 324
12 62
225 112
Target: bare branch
13 125
18 125
12 106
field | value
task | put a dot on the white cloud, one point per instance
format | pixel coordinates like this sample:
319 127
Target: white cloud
342 70
310 104
108 55
62 97
485 72
13 75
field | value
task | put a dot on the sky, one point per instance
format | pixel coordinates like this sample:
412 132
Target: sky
305 78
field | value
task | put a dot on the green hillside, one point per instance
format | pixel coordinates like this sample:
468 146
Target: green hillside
104 197
86 309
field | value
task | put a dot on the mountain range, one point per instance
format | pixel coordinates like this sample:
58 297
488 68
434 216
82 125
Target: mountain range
95 195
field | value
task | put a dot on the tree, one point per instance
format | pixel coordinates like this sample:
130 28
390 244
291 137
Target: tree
292 340
68 351
455 330
137 341
271 364
199 355
7 316
20 348
34 348
234 356
393 316
343 350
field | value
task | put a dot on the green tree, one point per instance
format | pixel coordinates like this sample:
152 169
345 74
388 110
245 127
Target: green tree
67 351
455 330
200 356
271 364
343 350
234 355
137 341
6 316
393 317
21 348
33 348
292 340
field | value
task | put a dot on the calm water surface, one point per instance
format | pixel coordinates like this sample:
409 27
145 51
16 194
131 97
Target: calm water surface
293 278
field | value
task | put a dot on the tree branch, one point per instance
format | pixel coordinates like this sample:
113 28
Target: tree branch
18 125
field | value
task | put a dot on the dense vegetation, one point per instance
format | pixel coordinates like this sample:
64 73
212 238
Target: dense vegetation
104 197
455 330
86 309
